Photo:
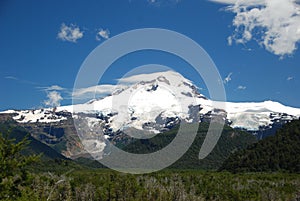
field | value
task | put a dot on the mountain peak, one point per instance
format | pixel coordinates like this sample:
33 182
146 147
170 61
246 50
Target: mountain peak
156 100
169 77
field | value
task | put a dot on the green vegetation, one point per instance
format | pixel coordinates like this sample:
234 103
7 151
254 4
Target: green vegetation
166 185
280 152
231 140
34 146
56 178
13 175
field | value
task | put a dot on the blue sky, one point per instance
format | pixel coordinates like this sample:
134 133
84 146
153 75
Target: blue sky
43 44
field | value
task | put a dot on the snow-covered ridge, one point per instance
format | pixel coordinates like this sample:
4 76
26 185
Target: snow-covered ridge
161 98
46 115
252 115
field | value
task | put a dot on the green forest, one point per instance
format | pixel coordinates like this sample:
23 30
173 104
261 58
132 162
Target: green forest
280 152
30 170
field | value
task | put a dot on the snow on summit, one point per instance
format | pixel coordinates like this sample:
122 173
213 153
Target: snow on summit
155 98
170 77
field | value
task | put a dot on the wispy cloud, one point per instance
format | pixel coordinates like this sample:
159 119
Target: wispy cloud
69 33
289 78
275 24
53 92
11 78
154 2
93 91
227 78
19 80
102 34
241 87
159 3
52 88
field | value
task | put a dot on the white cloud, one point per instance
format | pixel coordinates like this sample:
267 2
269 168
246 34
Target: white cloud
20 80
11 78
248 2
102 34
52 88
227 78
144 76
275 24
54 99
70 33
241 87
229 40
290 78
91 92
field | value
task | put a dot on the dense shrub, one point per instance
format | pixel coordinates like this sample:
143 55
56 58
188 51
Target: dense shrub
13 175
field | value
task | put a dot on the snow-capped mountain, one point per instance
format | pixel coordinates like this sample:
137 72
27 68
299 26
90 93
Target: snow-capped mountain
155 102
142 106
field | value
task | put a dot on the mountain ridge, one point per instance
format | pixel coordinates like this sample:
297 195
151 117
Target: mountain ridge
146 105
139 95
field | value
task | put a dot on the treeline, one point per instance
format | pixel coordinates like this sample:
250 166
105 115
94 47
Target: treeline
230 141
280 152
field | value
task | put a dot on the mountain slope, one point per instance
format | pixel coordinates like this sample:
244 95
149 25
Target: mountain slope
280 152
230 141
34 147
